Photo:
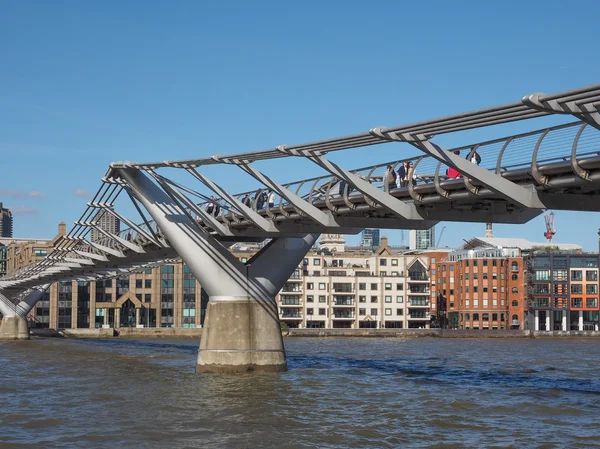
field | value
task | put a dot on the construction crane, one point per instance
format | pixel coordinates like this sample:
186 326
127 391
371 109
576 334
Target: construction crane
440 237
550 231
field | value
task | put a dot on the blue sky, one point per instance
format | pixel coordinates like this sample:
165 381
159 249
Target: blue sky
87 83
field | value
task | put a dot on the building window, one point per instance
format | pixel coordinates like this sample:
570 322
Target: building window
321 298
310 286
591 302
576 275
388 299
373 286
382 262
591 289
576 302
591 275
394 262
399 312
138 283
310 298
374 312
515 290
388 312
148 297
475 317
317 262
514 266
388 286
373 298
362 299
310 311
399 299
576 289
362 286
321 285
321 311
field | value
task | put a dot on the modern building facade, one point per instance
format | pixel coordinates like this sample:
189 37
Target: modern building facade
421 239
6 222
332 288
486 284
370 237
106 222
562 291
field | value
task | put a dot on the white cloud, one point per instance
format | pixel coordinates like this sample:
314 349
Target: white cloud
79 192
23 210
17 194
35 194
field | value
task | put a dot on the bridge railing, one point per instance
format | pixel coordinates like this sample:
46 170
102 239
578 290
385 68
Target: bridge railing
541 147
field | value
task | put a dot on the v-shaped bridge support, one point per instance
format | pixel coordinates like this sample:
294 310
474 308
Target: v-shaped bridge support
241 329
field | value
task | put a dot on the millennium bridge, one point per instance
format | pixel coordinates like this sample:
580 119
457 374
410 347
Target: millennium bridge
518 178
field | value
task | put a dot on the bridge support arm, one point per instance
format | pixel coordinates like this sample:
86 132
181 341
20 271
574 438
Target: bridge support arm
241 329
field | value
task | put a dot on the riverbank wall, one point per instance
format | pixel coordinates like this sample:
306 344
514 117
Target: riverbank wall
167 332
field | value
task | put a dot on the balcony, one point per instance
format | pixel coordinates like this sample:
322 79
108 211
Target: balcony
418 302
291 314
514 323
343 288
418 276
292 288
343 301
343 313
418 315
415 290
290 302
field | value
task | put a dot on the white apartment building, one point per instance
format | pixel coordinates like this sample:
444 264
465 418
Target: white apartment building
338 287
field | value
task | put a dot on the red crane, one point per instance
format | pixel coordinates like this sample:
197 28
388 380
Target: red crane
550 231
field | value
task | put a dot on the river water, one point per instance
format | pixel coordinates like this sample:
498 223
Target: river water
338 393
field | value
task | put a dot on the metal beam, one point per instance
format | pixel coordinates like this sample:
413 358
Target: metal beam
247 212
394 205
303 207
586 111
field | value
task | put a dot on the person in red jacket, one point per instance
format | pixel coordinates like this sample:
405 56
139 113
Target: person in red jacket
452 172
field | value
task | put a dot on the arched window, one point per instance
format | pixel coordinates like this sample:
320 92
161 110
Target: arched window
515 303
515 290
515 277
475 317
514 266
467 317
485 316
515 317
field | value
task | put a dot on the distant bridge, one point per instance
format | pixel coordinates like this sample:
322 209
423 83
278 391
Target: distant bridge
519 176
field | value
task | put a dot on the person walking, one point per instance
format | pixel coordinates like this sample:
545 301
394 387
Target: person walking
210 207
410 174
390 177
271 198
401 177
452 172
246 200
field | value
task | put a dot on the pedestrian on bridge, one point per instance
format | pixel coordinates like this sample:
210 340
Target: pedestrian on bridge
401 179
390 178
452 172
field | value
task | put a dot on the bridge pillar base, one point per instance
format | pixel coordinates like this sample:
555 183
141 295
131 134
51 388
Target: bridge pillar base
241 335
14 328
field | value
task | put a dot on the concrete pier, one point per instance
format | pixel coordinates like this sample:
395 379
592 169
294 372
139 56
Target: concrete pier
14 328
241 335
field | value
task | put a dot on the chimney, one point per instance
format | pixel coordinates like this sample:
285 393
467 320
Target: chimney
488 230
383 243
62 229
